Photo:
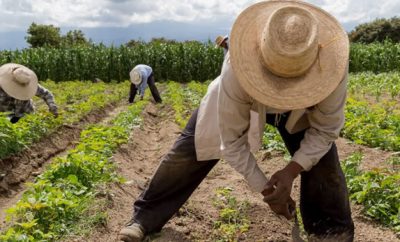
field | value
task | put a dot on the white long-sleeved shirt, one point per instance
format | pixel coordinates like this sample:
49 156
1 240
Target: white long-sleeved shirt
230 125
145 72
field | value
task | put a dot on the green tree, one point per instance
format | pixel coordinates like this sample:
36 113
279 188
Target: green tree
134 43
43 35
75 37
163 40
378 30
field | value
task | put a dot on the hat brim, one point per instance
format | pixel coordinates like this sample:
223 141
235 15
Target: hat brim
219 44
135 79
12 88
287 93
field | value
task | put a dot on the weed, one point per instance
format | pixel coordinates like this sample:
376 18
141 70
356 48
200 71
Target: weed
232 223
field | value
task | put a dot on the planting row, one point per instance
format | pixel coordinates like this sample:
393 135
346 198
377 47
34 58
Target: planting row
184 99
374 125
75 101
63 196
379 86
372 118
378 190
372 110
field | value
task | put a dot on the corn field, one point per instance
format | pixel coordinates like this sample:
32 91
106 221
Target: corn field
182 62
375 57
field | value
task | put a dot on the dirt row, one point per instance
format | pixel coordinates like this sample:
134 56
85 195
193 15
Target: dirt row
138 159
24 166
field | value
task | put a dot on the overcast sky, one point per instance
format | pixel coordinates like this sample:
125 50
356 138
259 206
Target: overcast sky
209 17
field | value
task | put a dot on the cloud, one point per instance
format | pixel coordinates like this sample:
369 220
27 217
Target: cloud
19 14
359 11
112 13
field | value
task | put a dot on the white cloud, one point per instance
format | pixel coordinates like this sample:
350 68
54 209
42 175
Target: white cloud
18 14
359 11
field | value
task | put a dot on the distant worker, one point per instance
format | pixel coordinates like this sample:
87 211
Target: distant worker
223 42
96 80
141 76
18 84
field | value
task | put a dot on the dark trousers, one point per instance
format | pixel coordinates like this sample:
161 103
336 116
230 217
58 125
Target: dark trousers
153 89
324 200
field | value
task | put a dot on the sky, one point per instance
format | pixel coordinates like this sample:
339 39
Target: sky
118 21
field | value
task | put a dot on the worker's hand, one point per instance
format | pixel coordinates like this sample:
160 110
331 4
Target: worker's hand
54 111
286 209
14 119
281 183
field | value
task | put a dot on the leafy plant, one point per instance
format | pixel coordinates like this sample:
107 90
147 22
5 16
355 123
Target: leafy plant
272 140
184 99
375 125
60 197
232 223
75 101
378 190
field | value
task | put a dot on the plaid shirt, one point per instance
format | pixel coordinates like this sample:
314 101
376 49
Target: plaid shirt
19 107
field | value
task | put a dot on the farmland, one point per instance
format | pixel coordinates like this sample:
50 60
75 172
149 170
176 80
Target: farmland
181 62
84 189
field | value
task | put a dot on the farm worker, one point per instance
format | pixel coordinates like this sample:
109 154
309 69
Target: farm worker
222 41
288 69
141 76
18 84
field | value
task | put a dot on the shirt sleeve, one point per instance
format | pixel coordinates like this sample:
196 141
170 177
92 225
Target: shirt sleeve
47 96
326 120
234 106
143 85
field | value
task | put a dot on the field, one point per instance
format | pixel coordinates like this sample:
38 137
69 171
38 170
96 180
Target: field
75 177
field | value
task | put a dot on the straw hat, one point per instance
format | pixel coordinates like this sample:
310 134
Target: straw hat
220 39
136 77
18 81
288 54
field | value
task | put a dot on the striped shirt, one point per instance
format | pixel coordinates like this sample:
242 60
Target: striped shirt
18 108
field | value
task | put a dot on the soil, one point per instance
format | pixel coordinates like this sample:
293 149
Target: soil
138 159
26 165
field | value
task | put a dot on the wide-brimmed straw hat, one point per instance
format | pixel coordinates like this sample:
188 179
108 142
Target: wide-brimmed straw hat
136 77
288 54
18 81
220 39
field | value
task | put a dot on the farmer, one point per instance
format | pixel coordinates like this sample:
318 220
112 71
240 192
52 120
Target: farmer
287 69
222 41
18 84
141 76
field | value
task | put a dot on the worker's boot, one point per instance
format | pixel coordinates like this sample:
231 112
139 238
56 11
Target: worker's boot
133 232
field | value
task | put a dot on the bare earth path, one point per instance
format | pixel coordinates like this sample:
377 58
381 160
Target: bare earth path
24 166
138 159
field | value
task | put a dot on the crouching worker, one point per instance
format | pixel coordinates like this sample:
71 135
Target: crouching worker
286 66
222 42
141 76
18 84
